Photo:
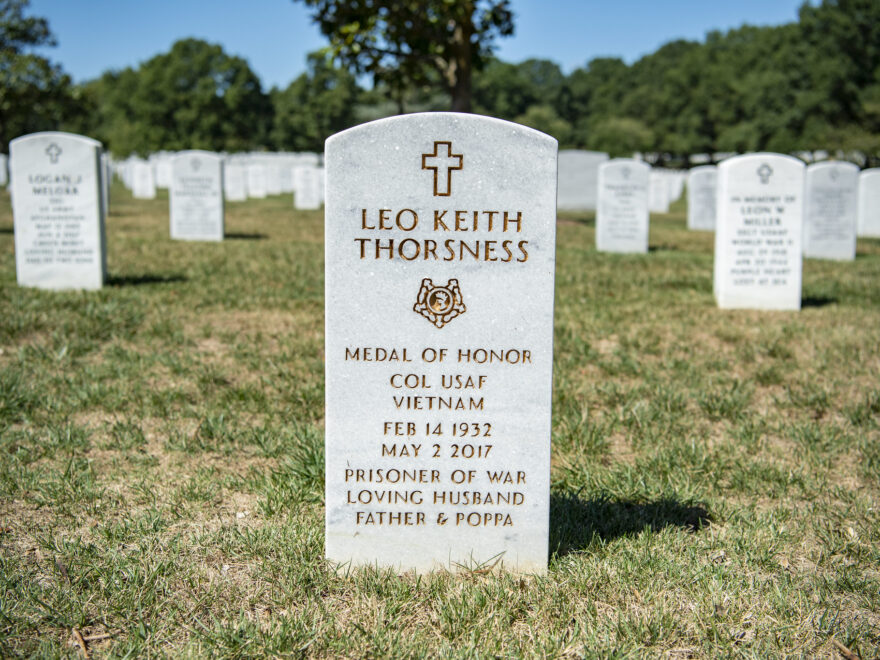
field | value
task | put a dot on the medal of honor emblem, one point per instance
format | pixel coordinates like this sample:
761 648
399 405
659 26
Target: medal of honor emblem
439 304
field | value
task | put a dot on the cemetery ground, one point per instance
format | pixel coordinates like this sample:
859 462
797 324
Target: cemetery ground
715 481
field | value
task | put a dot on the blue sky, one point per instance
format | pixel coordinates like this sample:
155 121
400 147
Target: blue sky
275 35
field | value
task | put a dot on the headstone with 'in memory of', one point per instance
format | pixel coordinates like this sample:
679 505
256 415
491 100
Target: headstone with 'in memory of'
758 260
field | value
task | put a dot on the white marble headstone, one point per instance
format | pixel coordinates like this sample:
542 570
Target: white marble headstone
869 203
440 261
235 181
308 187
162 168
57 211
256 181
622 216
579 179
275 173
658 192
196 196
831 198
701 189
758 260
143 180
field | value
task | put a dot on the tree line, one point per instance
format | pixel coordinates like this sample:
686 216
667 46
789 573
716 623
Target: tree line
807 85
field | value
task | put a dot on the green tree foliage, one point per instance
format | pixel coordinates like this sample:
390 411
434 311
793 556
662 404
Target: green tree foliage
193 97
35 95
319 103
508 90
408 43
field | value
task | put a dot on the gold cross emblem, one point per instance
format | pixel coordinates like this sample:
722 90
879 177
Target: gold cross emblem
442 165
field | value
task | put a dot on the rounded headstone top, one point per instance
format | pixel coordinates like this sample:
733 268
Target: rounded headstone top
55 135
453 120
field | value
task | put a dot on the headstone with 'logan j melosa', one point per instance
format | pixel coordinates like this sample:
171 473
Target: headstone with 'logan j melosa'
758 260
440 259
57 209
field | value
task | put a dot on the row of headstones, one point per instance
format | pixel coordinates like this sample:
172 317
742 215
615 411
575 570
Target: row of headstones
60 197
759 243
840 202
438 399
578 182
244 176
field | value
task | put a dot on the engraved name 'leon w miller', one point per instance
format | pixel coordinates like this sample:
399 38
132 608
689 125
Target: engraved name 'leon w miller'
439 362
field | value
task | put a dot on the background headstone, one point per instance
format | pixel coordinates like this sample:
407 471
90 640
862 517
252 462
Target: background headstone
758 260
701 189
869 203
308 187
143 181
579 179
622 216
196 196
440 260
256 181
235 181
57 211
830 202
658 192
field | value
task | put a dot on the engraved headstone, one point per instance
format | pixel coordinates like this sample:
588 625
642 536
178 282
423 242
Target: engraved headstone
275 174
440 260
658 192
676 181
106 178
57 211
869 203
256 180
143 180
701 189
196 196
579 179
234 181
758 260
831 198
308 187
622 216
162 168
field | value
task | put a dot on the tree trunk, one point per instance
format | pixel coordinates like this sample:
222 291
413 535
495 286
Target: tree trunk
458 74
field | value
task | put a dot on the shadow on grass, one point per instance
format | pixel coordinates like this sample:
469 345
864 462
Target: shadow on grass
6 230
245 237
662 248
137 280
817 301
574 522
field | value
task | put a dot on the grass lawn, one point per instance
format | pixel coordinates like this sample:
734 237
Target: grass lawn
716 474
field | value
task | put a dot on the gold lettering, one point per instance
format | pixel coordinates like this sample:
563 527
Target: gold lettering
438 221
